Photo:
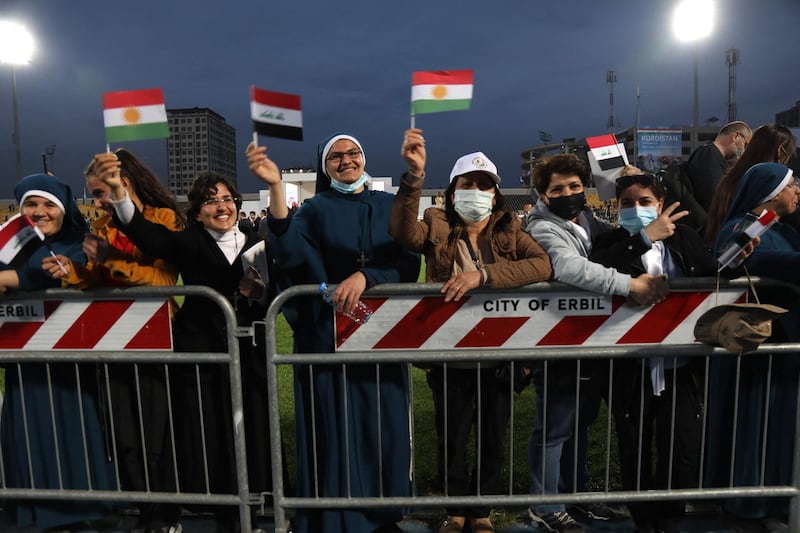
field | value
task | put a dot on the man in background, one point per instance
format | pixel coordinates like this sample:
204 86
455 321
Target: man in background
709 162
254 220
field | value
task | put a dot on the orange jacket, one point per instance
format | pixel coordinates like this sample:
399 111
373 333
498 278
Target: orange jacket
125 265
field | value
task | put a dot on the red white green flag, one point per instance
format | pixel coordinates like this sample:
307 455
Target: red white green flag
135 115
440 90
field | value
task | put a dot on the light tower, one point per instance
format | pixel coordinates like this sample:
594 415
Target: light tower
611 79
691 22
732 59
16 48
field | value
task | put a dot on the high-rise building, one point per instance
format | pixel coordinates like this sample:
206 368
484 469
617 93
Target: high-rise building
789 118
199 141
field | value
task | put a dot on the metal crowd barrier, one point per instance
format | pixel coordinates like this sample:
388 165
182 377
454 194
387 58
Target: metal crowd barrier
373 348
533 297
78 336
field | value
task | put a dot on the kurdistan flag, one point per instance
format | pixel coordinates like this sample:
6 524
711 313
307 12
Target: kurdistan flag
135 115
440 90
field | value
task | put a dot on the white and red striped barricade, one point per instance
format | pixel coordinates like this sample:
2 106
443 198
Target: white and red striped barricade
139 323
526 320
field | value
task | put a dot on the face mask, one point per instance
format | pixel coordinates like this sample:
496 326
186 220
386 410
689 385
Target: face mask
473 205
634 219
348 188
567 207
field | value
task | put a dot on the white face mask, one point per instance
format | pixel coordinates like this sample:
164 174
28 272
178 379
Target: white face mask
473 205
348 188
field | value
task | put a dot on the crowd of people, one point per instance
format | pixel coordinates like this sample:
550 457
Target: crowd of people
353 421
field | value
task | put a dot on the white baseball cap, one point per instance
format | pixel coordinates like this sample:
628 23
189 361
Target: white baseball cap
474 162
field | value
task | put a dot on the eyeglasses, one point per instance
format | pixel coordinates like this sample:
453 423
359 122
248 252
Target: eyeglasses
647 180
336 157
226 200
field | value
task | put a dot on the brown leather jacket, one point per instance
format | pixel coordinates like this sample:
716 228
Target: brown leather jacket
518 259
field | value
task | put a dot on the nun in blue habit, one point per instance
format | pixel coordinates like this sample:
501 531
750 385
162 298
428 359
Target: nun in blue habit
767 397
49 203
341 236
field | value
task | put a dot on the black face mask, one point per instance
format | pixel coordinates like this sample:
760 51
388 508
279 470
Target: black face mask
567 207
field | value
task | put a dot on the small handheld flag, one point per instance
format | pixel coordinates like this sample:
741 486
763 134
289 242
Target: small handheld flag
440 90
607 158
276 114
18 238
745 236
135 115
606 152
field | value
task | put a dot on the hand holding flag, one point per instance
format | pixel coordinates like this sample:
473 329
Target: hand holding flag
742 243
54 265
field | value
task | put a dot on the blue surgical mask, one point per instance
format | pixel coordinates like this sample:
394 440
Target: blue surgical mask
635 219
348 188
473 205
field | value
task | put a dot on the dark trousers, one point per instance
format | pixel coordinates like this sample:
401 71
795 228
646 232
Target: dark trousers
593 390
139 392
463 396
633 399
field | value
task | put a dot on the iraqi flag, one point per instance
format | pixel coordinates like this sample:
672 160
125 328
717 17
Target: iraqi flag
440 90
607 158
19 237
276 114
135 115
606 151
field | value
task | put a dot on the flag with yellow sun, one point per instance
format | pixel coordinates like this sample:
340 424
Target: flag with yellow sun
135 115
440 90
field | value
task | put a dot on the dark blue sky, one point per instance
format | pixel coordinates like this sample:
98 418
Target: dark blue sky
538 66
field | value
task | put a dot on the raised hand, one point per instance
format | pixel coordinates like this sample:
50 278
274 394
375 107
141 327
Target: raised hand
664 225
413 151
261 165
106 167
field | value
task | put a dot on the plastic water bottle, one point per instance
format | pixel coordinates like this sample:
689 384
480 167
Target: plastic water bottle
361 312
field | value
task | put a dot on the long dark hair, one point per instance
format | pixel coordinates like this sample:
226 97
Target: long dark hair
767 140
145 183
205 187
